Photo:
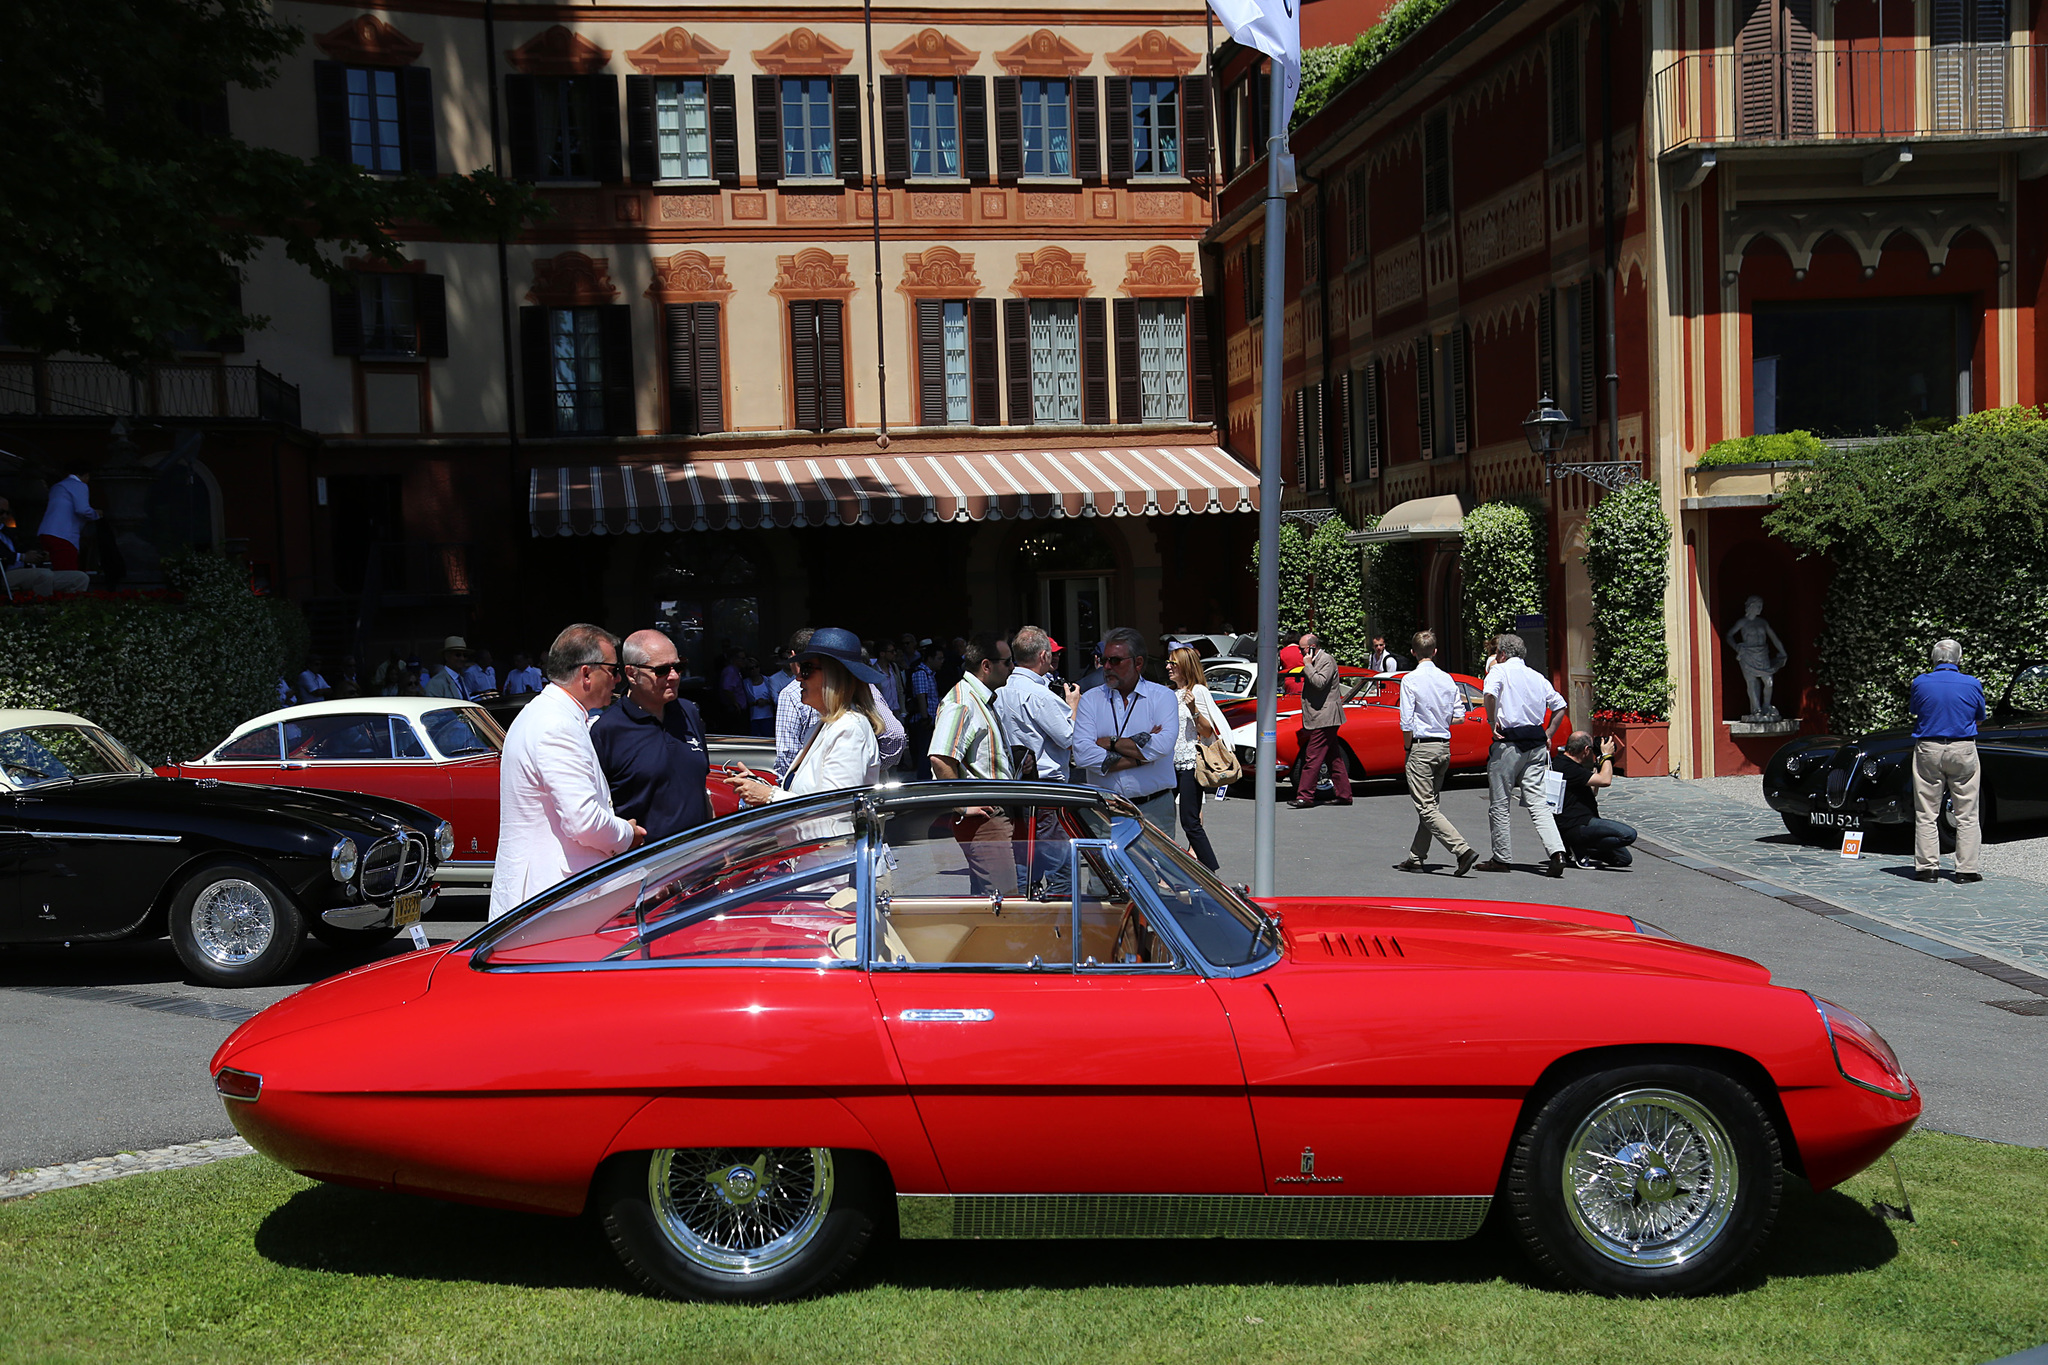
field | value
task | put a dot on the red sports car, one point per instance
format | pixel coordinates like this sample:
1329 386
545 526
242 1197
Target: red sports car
754 1050
1371 733
437 754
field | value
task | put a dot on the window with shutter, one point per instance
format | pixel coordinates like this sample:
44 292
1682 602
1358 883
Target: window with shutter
536 378
1357 207
767 130
643 162
1194 112
379 118
575 127
1317 445
1095 362
846 128
974 128
807 401
607 148
1045 127
1565 98
696 404
934 107
1087 129
430 314
615 368
1375 418
1010 116
1053 363
1347 428
1458 346
1425 397
895 128
1116 116
1436 164
832 363
1156 127
931 362
1968 61
1774 55
1162 345
1020 343
1588 376
1312 241
416 85
671 139
522 135
725 130
807 126
987 378
1546 345
1201 364
1129 387
330 110
1301 439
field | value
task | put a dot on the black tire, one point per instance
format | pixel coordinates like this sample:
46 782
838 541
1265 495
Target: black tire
1706 1181
349 940
233 926
1798 826
692 1244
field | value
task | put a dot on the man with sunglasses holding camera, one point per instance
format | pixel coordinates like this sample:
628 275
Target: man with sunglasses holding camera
650 742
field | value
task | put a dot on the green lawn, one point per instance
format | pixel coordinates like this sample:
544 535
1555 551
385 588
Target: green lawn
242 1261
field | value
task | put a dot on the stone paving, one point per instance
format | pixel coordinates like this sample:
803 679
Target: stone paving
42 1179
1724 821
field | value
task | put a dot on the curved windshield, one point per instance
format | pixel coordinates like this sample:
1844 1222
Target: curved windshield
461 730
37 755
1229 682
1224 930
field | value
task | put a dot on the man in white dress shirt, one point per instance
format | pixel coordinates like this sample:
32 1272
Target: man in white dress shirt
1430 705
555 815
1124 730
1524 708
1037 719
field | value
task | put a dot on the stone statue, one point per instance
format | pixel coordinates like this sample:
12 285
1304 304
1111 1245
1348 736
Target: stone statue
1761 654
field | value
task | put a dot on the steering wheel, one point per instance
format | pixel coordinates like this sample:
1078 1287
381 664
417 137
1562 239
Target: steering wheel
1141 936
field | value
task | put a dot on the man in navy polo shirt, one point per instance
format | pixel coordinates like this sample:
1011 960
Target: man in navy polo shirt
1947 705
650 743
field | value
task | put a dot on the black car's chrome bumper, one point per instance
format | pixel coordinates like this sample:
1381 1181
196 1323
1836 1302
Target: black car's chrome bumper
372 915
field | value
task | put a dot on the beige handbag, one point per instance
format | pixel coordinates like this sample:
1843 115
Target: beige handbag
1216 763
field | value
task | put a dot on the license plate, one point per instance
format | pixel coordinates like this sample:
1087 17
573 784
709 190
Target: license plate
1829 819
406 910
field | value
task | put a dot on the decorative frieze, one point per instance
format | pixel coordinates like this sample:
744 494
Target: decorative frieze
1153 53
1040 208
1504 228
1397 277
1439 260
689 277
687 208
1043 53
558 51
1567 199
938 208
571 280
808 208
1161 272
677 52
750 207
939 272
931 53
813 273
1052 272
803 52
1158 204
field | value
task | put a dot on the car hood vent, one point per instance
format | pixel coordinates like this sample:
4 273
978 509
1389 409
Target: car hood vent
1341 946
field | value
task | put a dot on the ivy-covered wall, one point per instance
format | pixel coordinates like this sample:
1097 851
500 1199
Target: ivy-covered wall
1932 534
166 678
1503 560
1628 539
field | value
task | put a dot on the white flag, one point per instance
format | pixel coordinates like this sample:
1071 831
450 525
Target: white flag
1274 28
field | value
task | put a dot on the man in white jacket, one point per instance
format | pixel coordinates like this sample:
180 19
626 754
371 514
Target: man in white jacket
554 807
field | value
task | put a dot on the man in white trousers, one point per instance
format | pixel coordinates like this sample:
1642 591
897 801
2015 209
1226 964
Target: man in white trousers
555 815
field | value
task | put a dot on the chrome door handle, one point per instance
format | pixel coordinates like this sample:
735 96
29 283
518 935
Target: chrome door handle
948 1016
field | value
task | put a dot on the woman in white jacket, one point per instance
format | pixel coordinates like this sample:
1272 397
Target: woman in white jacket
841 751
1198 711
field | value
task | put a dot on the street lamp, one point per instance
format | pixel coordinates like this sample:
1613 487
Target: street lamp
1547 427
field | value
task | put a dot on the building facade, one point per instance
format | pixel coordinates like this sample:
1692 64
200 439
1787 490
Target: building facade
705 389
1686 221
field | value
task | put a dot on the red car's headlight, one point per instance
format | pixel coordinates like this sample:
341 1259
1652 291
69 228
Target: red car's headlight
1862 1056
238 1085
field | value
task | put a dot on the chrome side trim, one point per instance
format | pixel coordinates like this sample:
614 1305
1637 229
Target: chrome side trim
948 1016
1394 1218
108 838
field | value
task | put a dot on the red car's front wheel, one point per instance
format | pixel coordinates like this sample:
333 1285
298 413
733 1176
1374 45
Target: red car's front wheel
756 1223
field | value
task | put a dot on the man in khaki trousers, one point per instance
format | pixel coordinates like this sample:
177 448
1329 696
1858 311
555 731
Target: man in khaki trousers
1430 705
1947 706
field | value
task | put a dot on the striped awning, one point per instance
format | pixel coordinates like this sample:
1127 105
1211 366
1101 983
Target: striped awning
878 490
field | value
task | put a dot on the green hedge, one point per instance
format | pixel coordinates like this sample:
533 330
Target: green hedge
167 678
1783 445
1393 591
1628 544
1327 70
1322 587
1932 534
1503 561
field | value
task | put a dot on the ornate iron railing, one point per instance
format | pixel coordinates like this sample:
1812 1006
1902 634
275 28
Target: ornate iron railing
94 388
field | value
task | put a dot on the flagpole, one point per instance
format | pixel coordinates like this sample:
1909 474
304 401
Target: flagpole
1270 429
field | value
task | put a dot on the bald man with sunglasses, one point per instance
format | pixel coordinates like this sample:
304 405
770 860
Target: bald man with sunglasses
650 742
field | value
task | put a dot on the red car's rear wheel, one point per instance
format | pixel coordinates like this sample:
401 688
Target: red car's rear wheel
756 1223
1646 1180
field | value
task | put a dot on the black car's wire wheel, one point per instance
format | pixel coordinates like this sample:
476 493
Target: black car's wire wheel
757 1223
1646 1180
231 925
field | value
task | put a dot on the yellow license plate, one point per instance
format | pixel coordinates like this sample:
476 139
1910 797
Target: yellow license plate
406 910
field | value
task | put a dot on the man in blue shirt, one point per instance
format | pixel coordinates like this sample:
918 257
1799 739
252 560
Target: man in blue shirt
650 743
1947 705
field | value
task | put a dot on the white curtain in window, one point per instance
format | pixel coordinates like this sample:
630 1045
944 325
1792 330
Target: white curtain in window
1163 358
1055 361
956 362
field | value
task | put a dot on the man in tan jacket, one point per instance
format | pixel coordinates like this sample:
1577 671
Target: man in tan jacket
1322 712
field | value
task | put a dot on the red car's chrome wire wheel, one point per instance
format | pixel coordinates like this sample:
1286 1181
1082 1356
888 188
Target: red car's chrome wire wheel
740 1211
233 921
1650 1178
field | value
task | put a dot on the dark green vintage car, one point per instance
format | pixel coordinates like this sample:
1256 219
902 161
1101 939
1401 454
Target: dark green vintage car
1822 784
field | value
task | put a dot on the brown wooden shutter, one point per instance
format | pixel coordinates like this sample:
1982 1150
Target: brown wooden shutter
1017 347
1087 129
1194 116
974 128
983 372
1458 346
931 362
1130 390
1756 65
1546 344
345 324
522 138
1564 86
1094 362
846 128
615 351
536 376
725 130
1425 397
895 129
1301 439
1009 129
642 158
330 109
607 152
1799 46
803 364
1589 403
1356 208
416 88
1347 422
1201 365
1375 418
1116 112
679 322
710 382
430 313
832 362
1436 164
767 130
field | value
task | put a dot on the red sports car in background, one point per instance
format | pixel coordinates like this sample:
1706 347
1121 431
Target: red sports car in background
1371 733
754 1050
438 754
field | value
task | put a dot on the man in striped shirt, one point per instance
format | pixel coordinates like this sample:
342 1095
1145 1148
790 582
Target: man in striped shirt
967 742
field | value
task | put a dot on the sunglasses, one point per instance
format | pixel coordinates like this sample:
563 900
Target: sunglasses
618 671
1112 660
808 667
659 670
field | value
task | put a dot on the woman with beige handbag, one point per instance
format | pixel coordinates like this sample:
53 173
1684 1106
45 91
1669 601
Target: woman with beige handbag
1202 729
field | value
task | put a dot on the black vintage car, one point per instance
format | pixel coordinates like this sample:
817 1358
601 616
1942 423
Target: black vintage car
93 845
1825 783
